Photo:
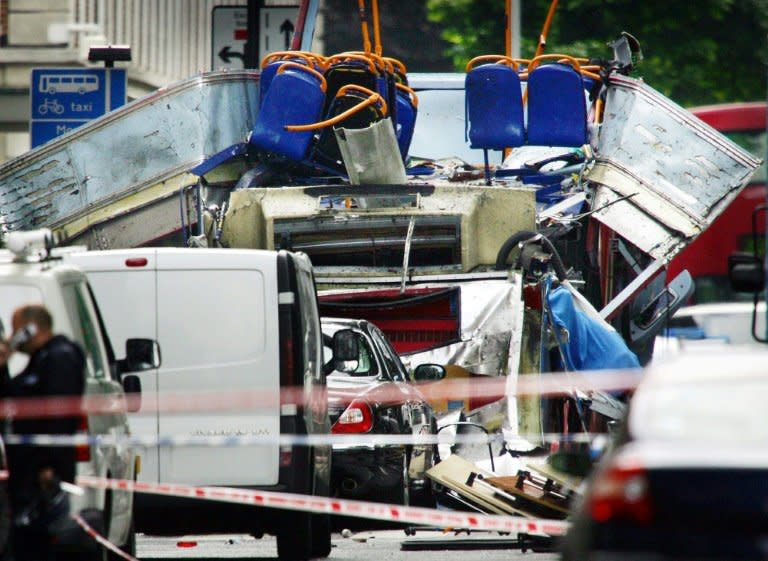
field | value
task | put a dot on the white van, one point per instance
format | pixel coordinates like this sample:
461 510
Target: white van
35 275
227 321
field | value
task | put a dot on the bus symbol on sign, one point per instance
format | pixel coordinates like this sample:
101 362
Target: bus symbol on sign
68 83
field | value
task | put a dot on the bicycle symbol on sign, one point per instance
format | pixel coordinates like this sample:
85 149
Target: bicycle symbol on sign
50 105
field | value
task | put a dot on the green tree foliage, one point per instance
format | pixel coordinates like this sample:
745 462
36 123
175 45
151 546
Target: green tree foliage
707 51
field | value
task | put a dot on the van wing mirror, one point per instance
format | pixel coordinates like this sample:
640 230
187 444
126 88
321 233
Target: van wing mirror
746 273
428 373
346 351
132 388
140 355
345 346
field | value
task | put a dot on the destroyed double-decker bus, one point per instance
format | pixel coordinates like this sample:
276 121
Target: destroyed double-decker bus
386 181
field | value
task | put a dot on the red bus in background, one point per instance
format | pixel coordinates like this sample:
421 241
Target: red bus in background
707 257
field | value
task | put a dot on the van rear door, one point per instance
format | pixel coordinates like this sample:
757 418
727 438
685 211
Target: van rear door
217 324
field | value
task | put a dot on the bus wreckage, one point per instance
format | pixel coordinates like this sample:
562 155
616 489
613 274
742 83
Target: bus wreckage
552 260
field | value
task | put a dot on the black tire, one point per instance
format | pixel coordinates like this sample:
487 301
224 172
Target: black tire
321 536
294 537
302 535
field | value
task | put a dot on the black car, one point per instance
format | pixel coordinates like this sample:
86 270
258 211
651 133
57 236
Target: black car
687 477
370 392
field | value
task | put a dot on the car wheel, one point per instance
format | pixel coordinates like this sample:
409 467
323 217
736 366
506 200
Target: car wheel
302 535
294 537
321 536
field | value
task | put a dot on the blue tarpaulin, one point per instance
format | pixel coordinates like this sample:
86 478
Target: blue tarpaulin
591 344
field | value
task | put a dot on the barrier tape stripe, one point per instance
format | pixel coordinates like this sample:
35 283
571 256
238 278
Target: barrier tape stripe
360 509
285 440
255 440
489 388
101 539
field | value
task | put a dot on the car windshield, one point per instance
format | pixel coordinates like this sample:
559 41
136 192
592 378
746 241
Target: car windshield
722 411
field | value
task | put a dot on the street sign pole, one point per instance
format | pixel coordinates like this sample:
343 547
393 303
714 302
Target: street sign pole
251 58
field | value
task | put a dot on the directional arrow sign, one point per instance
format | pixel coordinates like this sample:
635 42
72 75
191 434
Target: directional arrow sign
287 30
226 54
229 33
276 28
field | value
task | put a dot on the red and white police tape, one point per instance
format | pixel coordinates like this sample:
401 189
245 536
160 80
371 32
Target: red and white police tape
485 388
101 540
360 509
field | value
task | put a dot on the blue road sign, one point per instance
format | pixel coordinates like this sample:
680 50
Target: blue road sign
65 98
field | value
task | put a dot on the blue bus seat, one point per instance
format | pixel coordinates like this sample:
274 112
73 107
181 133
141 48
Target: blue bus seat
407 109
273 61
494 107
295 97
557 107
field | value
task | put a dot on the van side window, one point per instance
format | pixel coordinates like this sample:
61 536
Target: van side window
85 331
310 326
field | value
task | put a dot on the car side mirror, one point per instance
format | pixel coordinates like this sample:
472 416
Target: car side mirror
746 273
345 345
428 373
141 354
132 388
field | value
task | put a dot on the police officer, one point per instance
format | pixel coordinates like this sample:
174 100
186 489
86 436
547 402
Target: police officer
55 368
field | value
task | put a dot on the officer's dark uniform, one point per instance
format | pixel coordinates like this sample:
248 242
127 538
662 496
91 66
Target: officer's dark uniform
56 369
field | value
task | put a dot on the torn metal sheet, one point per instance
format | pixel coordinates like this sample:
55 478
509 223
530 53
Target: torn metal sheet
67 182
674 173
